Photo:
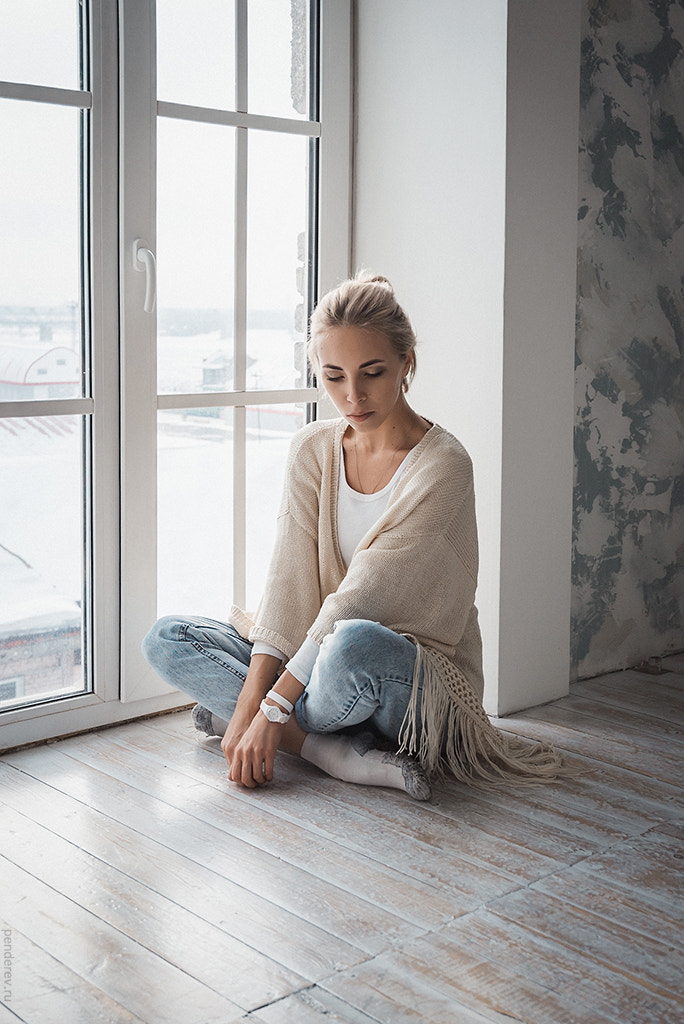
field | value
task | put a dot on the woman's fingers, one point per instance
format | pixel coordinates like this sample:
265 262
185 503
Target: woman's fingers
252 770
248 775
252 758
269 761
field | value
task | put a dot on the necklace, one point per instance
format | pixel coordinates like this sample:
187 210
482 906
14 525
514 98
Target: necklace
358 475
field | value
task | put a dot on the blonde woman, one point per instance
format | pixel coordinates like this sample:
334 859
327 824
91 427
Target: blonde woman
364 656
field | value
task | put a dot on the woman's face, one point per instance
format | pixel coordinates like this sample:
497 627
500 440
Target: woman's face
362 374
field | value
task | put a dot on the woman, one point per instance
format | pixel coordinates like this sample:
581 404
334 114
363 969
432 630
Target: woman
367 634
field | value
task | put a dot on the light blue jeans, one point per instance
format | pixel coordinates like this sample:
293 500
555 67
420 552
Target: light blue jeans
363 674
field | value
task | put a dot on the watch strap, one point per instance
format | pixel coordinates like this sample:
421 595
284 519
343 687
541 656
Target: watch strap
283 701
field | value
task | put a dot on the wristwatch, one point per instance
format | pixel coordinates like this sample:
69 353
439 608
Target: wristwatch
274 714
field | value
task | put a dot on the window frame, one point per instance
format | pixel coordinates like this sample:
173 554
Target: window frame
123 402
99 405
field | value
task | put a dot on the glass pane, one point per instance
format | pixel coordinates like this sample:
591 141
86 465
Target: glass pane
40 293
277 258
195 252
196 52
278 59
39 42
41 558
195 493
269 432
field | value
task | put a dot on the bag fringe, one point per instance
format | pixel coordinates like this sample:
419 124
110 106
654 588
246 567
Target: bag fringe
449 732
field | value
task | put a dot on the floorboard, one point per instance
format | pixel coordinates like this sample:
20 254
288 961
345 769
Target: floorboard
139 885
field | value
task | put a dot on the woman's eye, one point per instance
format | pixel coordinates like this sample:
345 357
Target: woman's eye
378 374
332 380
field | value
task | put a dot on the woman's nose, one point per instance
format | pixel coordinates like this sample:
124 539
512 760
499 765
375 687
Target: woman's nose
355 392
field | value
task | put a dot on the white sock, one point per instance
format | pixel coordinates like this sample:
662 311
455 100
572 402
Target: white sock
338 756
219 726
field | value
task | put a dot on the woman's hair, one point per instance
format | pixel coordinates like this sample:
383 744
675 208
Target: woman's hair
366 301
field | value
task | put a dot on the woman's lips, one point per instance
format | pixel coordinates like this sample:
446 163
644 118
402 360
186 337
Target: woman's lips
360 417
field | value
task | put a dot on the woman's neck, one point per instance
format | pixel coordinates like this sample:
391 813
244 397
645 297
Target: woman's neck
401 431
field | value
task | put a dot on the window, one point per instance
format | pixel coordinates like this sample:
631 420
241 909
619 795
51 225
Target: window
152 365
46 424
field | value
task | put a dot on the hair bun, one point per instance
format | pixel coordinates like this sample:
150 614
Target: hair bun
366 277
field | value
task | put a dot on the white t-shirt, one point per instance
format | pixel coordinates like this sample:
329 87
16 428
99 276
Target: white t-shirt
356 514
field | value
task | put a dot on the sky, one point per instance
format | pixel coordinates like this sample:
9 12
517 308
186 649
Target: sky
38 174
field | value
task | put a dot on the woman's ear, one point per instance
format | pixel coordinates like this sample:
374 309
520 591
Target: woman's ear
408 370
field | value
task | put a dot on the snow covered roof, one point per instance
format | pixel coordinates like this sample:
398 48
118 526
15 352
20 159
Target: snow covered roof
28 604
38 364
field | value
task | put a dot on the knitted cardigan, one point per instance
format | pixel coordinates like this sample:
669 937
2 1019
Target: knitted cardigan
415 572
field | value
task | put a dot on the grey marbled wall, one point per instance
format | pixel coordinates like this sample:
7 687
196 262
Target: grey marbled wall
628 557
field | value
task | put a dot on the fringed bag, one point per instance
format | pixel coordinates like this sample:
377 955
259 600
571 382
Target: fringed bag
449 732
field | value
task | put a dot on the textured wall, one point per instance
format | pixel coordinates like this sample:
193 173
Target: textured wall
628 562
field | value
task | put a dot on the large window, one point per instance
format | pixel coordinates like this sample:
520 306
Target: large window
175 193
46 430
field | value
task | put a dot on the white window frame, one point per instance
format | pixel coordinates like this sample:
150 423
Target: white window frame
65 714
123 467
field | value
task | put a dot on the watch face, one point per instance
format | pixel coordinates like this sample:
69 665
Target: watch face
273 713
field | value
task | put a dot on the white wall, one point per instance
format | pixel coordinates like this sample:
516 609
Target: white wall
539 350
430 212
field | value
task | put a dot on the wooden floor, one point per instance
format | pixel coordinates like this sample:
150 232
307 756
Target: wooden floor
137 884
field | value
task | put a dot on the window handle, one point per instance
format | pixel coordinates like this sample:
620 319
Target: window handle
144 260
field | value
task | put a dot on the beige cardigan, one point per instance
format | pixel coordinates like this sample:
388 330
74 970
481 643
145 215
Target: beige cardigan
415 572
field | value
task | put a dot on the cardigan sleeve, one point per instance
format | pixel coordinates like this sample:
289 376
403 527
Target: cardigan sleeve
292 594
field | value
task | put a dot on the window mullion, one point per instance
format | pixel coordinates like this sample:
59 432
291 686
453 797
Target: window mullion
46 94
138 337
237 119
335 149
241 21
240 313
240 243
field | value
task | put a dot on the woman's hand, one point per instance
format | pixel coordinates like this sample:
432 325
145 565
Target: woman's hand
260 676
237 727
251 741
251 758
